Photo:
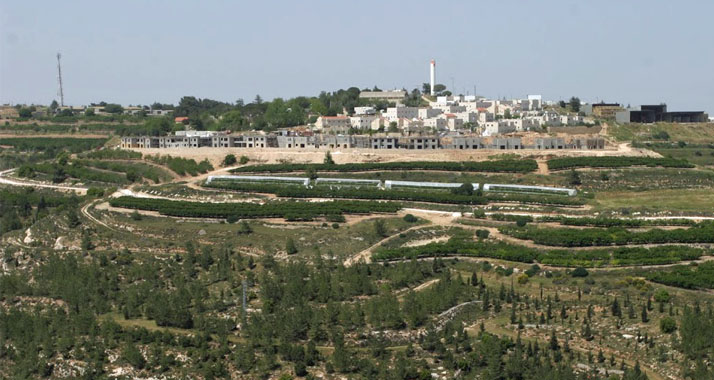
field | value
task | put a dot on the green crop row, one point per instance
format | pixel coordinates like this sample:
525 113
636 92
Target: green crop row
570 237
291 210
615 222
509 166
615 162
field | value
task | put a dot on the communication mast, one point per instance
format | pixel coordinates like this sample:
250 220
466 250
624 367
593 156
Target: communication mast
59 79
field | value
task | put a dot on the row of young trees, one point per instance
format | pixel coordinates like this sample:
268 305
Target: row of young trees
570 237
507 166
615 162
350 192
456 196
292 210
462 246
615 222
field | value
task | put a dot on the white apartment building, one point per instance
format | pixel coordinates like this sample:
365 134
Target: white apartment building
453 123
428 113
438 123
372 122
394 113
485 117
449 108
339 124
493 128
365 111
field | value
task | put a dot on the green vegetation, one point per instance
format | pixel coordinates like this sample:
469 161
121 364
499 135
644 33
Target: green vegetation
513 166
689 277
612 222
182 166
423 195
112 154
54 145
459 246
567 237
290 210
614 162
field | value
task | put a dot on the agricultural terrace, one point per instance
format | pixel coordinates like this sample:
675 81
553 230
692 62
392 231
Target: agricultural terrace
151 262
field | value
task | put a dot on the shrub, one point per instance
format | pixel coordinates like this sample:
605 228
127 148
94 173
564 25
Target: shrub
136 216
482 234
661 295
479 213
244 228
95 192
409 218
290 247
232 219
464 189
667 325
579 272
230 159
243 160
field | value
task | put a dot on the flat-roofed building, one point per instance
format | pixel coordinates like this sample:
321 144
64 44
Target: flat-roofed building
297 142
383 142
394 96
338 124
394 113
462 142
419 142
549 143
507 143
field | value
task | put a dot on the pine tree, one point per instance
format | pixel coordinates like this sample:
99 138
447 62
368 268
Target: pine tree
290 247
616 312
644 315
553 343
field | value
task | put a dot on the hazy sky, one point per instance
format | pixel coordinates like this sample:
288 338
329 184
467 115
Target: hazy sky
143 51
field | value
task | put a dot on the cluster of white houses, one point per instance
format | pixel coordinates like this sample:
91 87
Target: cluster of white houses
452 113
198 139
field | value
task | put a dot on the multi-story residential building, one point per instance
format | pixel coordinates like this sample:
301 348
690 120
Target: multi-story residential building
428 113
462 142
384 142
365 111
372 122
419 142
507 143
337 124
336 141
297 142
393 96
394 113
438 123
549 143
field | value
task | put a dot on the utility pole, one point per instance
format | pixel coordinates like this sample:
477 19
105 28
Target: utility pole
59 79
